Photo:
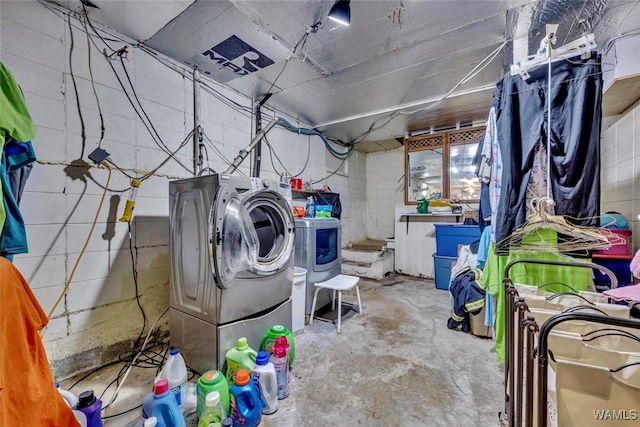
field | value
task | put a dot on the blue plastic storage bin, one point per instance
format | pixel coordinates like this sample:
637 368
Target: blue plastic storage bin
442 267
619 267
449 236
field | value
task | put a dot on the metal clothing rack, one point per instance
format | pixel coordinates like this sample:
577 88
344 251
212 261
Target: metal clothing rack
582 46
524 394
525 336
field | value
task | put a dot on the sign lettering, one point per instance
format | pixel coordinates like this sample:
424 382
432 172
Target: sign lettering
238 56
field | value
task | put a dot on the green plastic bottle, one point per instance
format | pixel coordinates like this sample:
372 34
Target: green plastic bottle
240 357
212 381
270 339
214 413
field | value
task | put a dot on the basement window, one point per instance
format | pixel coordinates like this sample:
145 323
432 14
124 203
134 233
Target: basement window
438 166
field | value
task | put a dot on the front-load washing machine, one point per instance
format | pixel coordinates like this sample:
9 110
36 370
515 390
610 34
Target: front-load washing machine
317 250
231 246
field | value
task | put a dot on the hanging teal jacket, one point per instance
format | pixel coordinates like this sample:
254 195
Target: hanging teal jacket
15 121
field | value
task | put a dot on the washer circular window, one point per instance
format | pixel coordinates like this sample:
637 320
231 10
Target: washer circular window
273 222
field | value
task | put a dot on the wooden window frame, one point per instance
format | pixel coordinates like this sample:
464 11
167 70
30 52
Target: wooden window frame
440 140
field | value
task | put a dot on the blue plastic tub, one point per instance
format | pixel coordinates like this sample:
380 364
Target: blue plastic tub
619 267
442 267
449 236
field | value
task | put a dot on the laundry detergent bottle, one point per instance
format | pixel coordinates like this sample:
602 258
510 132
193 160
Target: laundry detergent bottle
280 360
311 207
212 381
162 405
213 413
240 357
91 407
264 378
270 339
246 408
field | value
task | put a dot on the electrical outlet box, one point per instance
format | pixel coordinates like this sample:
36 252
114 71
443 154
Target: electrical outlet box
98 155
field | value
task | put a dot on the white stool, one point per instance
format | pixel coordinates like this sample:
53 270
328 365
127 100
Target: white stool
339 283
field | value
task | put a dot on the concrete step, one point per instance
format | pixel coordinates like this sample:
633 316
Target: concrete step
368 245
377 268
360 257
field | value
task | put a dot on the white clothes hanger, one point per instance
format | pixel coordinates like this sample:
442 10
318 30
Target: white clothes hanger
582 46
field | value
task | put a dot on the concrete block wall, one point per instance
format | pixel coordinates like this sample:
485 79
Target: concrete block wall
620 169
385 188
99 316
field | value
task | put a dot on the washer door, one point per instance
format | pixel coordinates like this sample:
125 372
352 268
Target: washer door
273 222
233 237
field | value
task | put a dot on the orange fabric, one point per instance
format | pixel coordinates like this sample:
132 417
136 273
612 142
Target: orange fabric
28 396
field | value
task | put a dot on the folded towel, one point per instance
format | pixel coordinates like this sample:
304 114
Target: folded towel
625 293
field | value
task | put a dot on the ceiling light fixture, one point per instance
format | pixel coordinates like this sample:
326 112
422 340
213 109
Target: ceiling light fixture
341 12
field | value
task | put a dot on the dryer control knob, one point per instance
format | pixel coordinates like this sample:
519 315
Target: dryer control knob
266 184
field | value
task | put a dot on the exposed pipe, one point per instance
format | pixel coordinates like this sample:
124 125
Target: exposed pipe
257 160
403 106
245 152
196 120
257 152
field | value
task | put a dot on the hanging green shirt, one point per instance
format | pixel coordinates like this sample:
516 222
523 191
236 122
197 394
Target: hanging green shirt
15 119
529 274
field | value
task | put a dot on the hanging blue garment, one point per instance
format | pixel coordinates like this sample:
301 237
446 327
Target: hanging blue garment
20 158
13 239
16 122
19 154
483 251
17 160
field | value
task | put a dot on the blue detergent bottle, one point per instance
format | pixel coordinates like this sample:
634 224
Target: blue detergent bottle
310 208
246 408
162 404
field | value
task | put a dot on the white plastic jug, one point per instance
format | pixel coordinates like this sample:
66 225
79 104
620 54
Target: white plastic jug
266 383
175 371
70 398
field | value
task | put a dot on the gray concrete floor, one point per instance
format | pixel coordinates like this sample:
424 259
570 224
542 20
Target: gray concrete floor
395 364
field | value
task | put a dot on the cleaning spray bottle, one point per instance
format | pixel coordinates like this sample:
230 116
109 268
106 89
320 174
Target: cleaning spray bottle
131 201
